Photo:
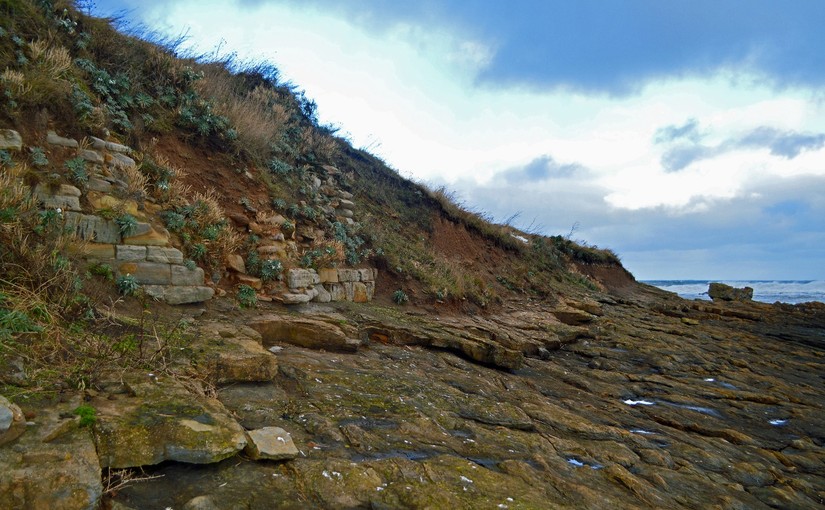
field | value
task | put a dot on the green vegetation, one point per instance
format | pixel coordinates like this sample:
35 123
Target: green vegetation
400 297
87 414
127 285
247 297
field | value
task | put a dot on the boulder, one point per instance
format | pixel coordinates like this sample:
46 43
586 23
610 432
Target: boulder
271 443
722 292
99 185
10 140
305 332
233 354
12 421
91 156
321 295
182 275
120 160
161 421
53 465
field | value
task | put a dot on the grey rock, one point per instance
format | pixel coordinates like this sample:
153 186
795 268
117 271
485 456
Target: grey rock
344 213
53 138
295 299
97 184
347 204
175 295
346 195
120 160
720 291
182 275
336 291
164 255
130 253
349 275
12 421
366 275
301 278
10 140
63 203
201 503
100 145
148 273
272 443
322 295
92 156
93 228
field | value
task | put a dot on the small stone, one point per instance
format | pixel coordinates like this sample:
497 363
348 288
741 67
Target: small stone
200 503
344 213
10 140
245 279
12 421
272 443
347 204
100 185
235 263
53 138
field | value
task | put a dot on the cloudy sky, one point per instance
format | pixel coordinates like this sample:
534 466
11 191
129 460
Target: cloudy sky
687 135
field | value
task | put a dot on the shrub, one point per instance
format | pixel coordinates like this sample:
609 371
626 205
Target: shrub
271 270
77 171
38 157
127 284
127 224
400 297
247 296
103 270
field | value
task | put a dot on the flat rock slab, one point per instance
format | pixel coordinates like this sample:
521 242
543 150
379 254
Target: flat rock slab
52 465
233 354
311 333
271 443
160 420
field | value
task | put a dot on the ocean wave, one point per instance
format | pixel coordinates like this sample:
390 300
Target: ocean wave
767 291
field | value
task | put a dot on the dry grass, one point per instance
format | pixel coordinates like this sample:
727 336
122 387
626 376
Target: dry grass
259 115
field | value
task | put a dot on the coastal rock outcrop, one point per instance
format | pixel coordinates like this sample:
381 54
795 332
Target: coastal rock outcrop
723 292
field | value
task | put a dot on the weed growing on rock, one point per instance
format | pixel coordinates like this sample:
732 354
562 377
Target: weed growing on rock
87 414
247 297
400 297
126 224
77 174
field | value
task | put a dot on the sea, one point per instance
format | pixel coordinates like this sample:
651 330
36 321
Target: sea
767 291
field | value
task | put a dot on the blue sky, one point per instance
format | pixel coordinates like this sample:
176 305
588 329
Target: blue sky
688 136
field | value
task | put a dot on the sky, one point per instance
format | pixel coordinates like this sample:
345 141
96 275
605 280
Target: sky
687 135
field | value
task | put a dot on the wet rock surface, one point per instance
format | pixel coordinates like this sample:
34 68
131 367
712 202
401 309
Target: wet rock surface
634 409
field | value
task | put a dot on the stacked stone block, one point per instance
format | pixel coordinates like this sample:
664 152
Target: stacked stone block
330 284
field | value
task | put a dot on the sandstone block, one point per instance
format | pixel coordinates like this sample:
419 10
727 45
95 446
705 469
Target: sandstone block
720 291
346 204
93 228
321 294
53 138
328 275
295 299
155 237
272 443
366 275
147 273
175 295
63 203
346 195
235 263
131 253
164 255
344 213
349 291
10 140
91 156
120 160
104 201
336 291
94 251
301 278
245 279
370 290
359 292
100 145
99 185
182 275
348 275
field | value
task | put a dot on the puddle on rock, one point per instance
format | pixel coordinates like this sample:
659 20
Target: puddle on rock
699 409
578 463
777 422
632 402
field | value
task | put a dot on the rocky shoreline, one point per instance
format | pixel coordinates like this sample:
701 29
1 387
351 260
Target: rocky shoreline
635 399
